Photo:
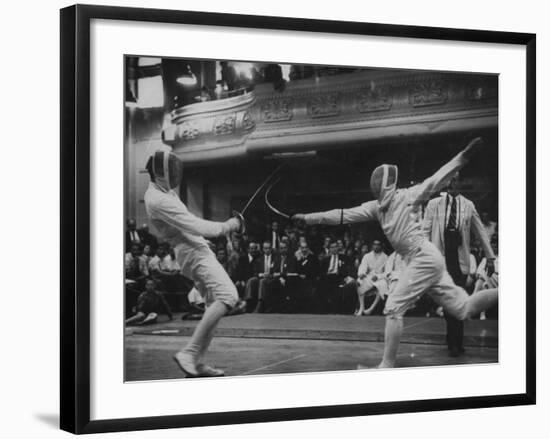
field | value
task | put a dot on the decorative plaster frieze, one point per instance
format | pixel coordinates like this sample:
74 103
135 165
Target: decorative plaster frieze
324 105
432 92
277 110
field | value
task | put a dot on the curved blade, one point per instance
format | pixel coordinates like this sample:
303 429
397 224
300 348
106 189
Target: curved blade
255 194
271 207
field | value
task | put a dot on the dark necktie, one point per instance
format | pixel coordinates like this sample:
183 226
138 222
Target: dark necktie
136 268
452 215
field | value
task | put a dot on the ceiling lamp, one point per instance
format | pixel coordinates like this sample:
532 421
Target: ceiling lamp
131 101
188 78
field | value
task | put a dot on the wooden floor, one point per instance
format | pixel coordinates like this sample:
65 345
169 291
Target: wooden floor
252 344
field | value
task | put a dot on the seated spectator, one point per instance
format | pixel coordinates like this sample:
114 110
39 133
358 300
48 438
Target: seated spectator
353 260
337 287
314 239
341 247
170 263
356 259
245 268
166 271
150 303
135 266
221 256
485 279
476 249
325 250
287 229
132 235
147 238
154 262
490 226
364 251
301 240
347 241
357 246
286 240
147 254
369 273
293 241
259 285
283 294
386 283
235 252
307 267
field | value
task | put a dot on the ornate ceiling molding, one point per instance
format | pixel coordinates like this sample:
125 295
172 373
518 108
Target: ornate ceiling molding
363 103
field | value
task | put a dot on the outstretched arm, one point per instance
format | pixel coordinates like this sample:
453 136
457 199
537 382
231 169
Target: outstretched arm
176 214
442 177
335 217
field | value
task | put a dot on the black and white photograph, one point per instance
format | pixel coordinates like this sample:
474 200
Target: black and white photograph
297 218
275 219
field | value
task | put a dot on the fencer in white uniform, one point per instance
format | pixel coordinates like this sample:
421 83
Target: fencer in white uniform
187 233
397 210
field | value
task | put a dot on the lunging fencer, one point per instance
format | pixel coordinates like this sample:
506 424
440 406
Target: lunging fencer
187 233
397 212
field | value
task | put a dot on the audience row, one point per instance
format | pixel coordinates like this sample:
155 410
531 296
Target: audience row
287 271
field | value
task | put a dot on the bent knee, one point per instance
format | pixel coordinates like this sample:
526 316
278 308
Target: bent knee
394 315
462 313
229 298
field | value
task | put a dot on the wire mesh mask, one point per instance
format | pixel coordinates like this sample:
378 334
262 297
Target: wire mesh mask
383 183
168 169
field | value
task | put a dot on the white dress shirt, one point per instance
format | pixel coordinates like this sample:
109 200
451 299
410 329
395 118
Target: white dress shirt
267 263
333 265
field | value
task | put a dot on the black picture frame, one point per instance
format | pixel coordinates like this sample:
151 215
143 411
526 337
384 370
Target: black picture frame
75 217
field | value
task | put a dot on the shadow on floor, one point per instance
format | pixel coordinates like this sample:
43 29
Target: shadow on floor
50 419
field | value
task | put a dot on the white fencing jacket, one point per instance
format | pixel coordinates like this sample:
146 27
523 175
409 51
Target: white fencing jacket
399 213
176 225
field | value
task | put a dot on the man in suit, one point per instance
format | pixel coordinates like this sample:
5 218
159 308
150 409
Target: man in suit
282 295
244 270
274 236
337 287
259 285
448 222
307 267
325 249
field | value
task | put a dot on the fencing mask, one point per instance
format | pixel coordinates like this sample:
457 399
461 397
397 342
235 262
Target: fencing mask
166 168
383 183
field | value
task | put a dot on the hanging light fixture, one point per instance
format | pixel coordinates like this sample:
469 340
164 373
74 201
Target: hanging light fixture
188 78
130 99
